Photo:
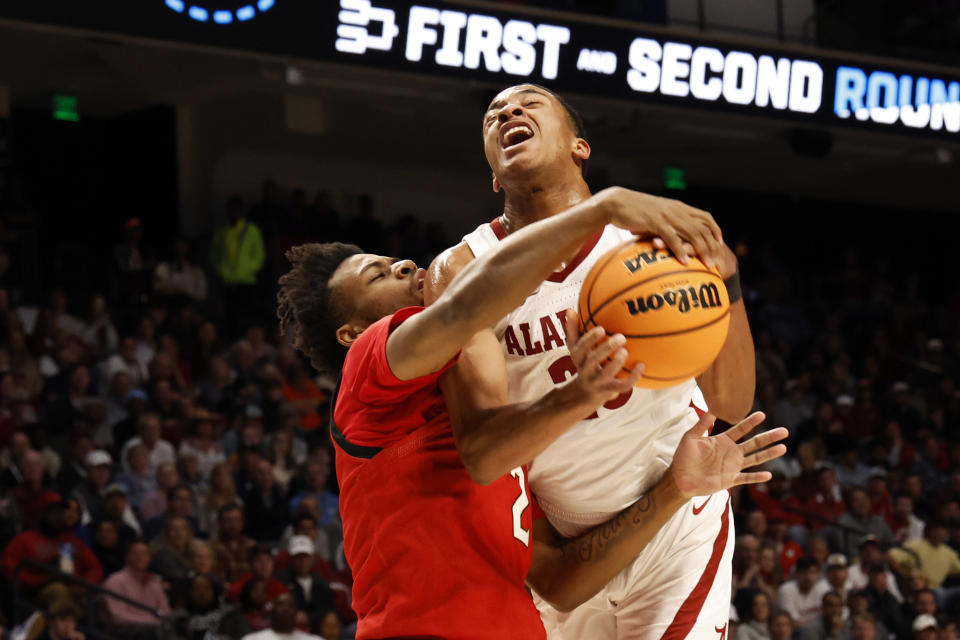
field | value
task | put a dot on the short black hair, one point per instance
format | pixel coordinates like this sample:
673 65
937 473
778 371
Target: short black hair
306 306
805 563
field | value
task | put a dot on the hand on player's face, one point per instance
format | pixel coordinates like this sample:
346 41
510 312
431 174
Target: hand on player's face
679 226
704 465
599 359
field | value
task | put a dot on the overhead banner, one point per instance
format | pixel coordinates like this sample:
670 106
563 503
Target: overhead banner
506 47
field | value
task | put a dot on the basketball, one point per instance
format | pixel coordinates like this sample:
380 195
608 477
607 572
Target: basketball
674 316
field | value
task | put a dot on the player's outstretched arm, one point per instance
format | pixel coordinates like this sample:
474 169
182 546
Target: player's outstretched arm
567 573
490 286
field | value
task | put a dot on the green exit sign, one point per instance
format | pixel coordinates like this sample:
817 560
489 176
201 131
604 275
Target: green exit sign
674 178
65 108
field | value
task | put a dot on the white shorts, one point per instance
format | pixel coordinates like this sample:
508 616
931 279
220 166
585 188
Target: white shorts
678 587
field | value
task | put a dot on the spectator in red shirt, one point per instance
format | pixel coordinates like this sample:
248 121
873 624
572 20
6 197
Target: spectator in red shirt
827 504
50 544
261 565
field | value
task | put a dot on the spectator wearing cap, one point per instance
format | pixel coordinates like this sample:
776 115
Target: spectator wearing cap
32 491
230 545
828 624
858 521
202 441
261 567
835 576
906 526
802 596
158 451
90 493
51 543
884 607
311 593
925 627
265 506
137 583
870 553
138 481
934 558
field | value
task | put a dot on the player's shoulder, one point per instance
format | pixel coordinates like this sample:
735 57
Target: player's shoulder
444 269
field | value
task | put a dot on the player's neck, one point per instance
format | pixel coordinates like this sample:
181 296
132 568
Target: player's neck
525 206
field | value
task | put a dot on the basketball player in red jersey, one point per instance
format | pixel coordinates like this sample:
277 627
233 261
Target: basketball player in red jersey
679 587
434 553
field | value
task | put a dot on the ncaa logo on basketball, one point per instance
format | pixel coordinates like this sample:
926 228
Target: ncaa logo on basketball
683 298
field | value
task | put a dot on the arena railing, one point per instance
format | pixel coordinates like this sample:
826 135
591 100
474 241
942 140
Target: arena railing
95 594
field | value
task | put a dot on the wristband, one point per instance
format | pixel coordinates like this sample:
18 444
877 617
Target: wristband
733 286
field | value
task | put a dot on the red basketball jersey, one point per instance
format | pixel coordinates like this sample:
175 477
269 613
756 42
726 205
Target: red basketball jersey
433 554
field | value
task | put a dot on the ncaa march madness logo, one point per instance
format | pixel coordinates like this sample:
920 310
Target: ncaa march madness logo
220 11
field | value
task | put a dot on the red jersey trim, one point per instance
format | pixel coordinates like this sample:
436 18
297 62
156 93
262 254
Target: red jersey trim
690 609
556 276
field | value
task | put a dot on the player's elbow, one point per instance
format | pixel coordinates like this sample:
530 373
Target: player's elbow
478 465
557 594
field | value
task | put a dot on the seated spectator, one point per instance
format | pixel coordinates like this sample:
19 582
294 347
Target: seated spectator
304 394
60 621
90 493
835 577
315 474
158 451
265 506
179 503
99 333
884 607
135 582
829 622
171 552
283 618
51 543
126 360
115 408
754 609
826 505
852 472
154 502
199 601
305 524
863 626
858 521
331 626
870 553
137 405
74 469
261 567
781 626
311 593
282 459
203 561
906 526
880 502
231 547
802 597
934 558
925 627
32 491
919 602
108 547
202 443
253 614
220 493
136 477
118 511
190 476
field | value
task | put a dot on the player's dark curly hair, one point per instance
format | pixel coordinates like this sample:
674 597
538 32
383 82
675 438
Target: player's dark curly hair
306 306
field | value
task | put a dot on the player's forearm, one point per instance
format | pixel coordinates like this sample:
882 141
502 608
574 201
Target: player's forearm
728 385
576 571
495 283
494 441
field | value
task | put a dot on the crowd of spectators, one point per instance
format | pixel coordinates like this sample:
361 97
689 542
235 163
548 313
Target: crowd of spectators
180 458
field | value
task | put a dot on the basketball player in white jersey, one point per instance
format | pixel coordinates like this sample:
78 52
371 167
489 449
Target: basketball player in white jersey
679 586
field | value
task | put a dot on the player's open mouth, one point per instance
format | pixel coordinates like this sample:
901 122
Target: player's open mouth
515 134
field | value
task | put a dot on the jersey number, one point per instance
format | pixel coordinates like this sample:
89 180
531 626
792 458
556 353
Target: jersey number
564 368
519 506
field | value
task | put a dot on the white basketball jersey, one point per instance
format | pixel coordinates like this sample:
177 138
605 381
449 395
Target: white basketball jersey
602 464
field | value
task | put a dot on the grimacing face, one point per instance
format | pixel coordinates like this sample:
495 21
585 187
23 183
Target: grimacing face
378 286
526 129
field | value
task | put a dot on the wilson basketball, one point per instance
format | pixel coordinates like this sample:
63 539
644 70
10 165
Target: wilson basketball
674 316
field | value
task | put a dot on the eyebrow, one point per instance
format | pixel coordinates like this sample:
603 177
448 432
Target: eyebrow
500 103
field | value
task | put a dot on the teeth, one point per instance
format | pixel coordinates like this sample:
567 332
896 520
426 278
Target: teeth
522 131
